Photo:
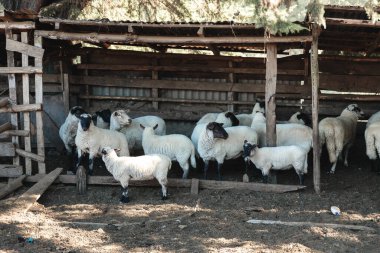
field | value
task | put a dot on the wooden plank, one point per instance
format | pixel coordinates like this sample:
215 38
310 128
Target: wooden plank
270 94
349 83
8 133
24 48
12 186
187 40
352 22
312 224
4 102
9 170
155 90
20 70
26 200
7 149
194 186
21 25
22 108
30 155
6 126
66 93
39 99
208 69
26 100
175 182
315 108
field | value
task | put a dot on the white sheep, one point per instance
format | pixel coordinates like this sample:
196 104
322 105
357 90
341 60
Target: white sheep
245 119
68 129
102 118
372 139
207 118
120 121
177 147
297 118
339 133
286 134
276 158
218 143
90 139
144 167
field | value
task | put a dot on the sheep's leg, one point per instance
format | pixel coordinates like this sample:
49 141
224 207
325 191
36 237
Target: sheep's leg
205 169
301 176
332 170
91 164
346 154
79 160
124 195
163 183
185 168
219 171
265 173
74 160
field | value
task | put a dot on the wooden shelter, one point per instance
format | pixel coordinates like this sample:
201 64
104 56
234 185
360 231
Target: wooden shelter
184 86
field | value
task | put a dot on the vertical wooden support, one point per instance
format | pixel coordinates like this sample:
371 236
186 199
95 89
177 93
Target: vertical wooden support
25 98
66 93
270 94
84 59
13 96
306 55
315 108
194 186
39 114
230 94
155 90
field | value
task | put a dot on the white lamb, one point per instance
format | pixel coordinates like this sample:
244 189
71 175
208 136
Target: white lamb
339 133
90 139
144 167
177 147
218 143
286 134
68 130
277 158
120 121
372 140
246 119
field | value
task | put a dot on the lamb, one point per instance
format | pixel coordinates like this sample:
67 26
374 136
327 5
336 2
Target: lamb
339 133
372 139
218 143
91 138
102 118
144 167
120 121
177 147
68 129
246 119
287 134
298 118
276 158
228 119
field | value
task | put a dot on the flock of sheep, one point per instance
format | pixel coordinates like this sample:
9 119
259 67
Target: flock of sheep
216 137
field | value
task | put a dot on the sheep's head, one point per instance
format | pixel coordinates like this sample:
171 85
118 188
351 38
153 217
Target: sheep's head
122 117
154 128
217 130
106 151
248 149
232 117
104 114
300 118
259 107
85 121
77 111
355 109
259 118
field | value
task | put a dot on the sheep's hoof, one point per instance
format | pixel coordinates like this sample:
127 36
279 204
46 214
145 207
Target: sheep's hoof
164 197
124 199
245 178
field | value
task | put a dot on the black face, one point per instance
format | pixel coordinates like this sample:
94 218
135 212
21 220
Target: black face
262 105
105 115
85 121
218 130
77 111
247 148
305 118
232 117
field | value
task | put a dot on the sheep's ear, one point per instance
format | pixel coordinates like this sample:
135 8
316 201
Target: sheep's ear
104 151
245 141
142 126
221 124
155 127
116 114
117 150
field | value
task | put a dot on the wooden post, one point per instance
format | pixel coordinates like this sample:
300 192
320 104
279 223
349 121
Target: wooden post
315 108
155 90
39 99
87 87
66 93
25 98
194 186
81 180
230 94
13 95
270 94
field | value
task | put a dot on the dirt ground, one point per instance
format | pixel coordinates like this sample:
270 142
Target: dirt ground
213 221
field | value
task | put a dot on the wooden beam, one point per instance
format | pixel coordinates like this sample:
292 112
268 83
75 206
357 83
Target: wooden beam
128 38
9 170
315 108
352 22
34 157
27 199
270 94
20 70
24 48
66 93
12 186
174 182
8 133
22 108
374 45
18 25
6 126
7 149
